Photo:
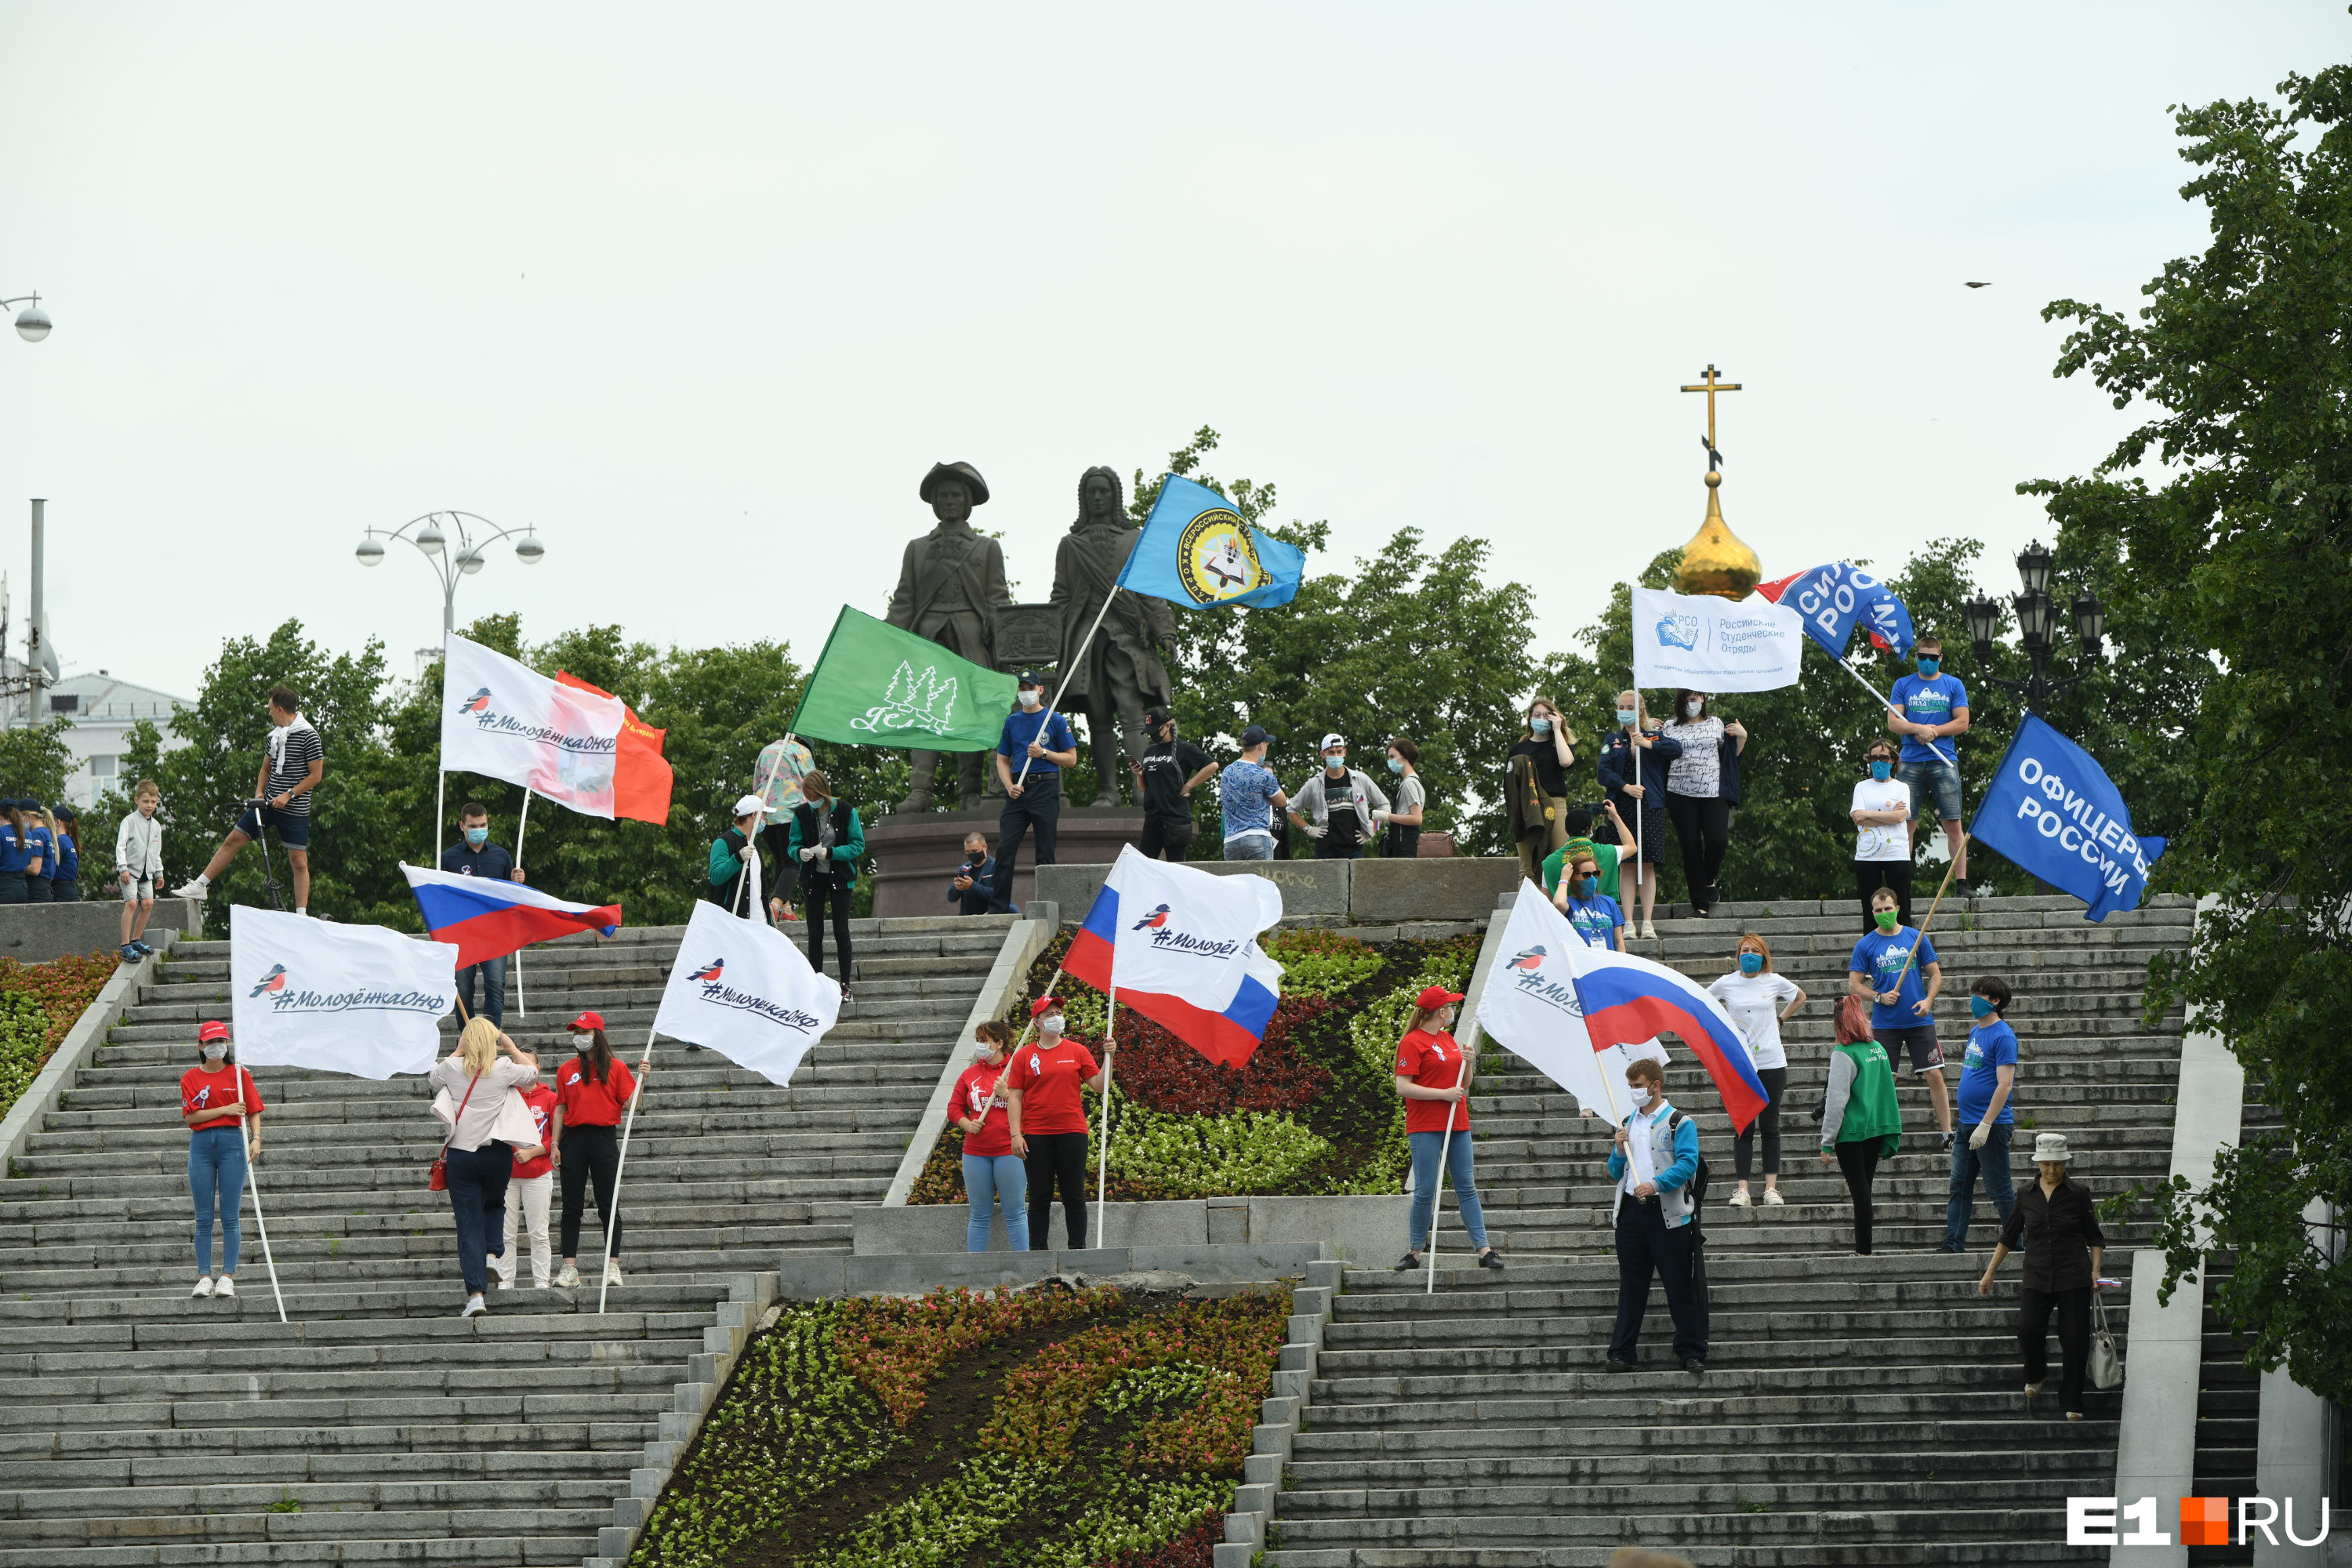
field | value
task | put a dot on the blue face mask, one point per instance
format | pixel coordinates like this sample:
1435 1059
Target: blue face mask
1625 715
1978 1007
1396 764
1882 771
1540 726
1751 963
1928 666
478 836
1589 886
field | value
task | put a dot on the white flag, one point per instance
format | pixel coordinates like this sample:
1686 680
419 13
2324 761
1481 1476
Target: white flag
355 999
743 989
506 721
1714 645
1530 1004
1184 932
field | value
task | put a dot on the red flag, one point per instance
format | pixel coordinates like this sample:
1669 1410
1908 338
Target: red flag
641 777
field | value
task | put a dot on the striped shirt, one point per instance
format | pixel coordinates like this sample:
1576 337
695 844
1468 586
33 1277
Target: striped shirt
292 750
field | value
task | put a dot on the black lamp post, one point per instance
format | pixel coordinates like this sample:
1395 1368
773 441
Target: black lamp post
2037 617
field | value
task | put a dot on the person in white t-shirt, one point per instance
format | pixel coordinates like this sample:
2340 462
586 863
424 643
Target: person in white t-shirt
1882 848
1760 1002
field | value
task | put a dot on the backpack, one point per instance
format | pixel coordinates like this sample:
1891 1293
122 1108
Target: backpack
1699 1179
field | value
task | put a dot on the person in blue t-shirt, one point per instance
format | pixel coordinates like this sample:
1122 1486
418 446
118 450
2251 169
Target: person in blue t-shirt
1037 737
1903 999
1988 1081
1930 711
1593 913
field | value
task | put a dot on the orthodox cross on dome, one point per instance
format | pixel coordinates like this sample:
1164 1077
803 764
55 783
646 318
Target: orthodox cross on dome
1711 387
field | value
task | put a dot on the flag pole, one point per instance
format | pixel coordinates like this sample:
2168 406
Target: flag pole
522 825
613 1220
1080 656
1437 1178
252 1180
1102 1166
1950 866
1640 805
440 804
1880 698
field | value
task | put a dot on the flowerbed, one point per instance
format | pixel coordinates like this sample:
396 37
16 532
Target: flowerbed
1067 1429
1314 1110
39 1004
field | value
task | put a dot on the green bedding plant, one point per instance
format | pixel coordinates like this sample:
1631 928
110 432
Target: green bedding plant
1070 1429
39 1004
1315 1111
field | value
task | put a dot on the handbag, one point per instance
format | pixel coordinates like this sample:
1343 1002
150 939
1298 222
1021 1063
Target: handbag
2107 1361
437 1180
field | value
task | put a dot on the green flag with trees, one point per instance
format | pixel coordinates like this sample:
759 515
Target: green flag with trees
875 685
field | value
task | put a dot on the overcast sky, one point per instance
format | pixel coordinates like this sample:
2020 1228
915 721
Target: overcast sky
701 291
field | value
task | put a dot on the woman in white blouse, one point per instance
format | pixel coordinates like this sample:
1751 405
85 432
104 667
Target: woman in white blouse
481 1099
1760 1002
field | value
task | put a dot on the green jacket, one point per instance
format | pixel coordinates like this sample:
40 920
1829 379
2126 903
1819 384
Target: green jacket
1862 1099
848 845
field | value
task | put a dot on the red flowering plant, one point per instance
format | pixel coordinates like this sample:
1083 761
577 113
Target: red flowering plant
39 1004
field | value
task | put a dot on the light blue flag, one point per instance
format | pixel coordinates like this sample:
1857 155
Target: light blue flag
2052 811
1196 553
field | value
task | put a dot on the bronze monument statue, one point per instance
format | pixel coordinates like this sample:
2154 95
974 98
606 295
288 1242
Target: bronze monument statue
951 585
1119 674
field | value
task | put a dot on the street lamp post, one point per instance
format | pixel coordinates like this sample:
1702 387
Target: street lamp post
32 322
32 325
432 536
2037 615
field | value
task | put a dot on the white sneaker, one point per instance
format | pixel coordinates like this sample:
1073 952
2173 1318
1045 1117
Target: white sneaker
505 1283
1739 1199
228 1287
203 1286
474 1307
1649 929
194 887
570 1276
1772 1198
613 1275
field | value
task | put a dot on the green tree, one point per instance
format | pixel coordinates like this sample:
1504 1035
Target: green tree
36 759
2234 564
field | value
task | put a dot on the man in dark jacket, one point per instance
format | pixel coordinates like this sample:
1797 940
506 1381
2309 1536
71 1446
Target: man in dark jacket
475 856
970 888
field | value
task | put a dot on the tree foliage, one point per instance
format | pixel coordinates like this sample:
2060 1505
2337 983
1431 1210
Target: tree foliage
2237 569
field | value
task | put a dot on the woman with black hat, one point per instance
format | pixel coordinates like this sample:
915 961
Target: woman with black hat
20 854
65 888
828 843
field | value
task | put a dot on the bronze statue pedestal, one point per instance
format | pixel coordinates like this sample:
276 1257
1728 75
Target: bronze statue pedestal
916 855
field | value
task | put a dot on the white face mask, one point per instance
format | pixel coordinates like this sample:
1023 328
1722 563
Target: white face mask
215 1051
1050 1024
580 1043
1030 698
1691 708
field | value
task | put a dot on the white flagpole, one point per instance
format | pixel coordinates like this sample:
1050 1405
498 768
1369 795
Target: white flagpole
613 1220
1437 1181
252 1180
440 803
522 825
1640 805
1064 686
1880 698
1102 1167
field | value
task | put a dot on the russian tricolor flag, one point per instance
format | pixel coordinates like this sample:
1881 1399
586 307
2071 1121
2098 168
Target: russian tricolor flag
1627 999
490 919
1181 945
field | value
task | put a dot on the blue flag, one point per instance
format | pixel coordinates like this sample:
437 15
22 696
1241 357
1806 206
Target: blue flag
2052 812
1830 599
1197 553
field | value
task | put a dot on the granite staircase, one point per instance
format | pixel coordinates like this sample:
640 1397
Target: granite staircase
1854 1410
138 1427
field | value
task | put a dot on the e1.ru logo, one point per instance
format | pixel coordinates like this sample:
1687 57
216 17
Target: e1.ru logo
2204 1522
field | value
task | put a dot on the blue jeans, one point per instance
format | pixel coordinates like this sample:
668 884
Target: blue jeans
492 972
1458 1165
992 1180
1250 848
1993 1160
478 1197
216 1175
1938 780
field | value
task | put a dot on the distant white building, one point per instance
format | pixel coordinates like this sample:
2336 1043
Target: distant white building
103 710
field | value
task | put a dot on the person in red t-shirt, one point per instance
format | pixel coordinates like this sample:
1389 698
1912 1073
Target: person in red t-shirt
592 1092
221 1107
1433 1075
534 1178
1048 1124
991 1175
